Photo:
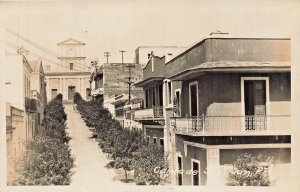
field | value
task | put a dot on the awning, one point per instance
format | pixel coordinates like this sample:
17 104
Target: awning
151 80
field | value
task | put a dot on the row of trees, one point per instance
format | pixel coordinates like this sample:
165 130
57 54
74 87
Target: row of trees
48 159
128 149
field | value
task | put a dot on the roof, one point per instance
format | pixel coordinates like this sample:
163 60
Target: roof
233 66
71 41
67 73
149 80
221 37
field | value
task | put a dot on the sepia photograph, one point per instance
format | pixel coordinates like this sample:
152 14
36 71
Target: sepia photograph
149 95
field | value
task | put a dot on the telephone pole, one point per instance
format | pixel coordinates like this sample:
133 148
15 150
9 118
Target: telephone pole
106 54
122 51
129 82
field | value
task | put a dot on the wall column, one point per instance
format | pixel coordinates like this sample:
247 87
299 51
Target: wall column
79 87
213 168
48 89
61 85
83 88
64 88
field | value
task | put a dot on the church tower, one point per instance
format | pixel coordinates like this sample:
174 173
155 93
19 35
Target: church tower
73 58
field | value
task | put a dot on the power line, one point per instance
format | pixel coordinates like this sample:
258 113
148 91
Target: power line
39 46
44 49
34 54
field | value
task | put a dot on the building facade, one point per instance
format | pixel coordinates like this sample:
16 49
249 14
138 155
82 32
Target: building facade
38 89
70 74
15 141
235 98
22 108
111 80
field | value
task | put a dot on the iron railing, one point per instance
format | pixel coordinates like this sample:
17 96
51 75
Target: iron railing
149 113
233 125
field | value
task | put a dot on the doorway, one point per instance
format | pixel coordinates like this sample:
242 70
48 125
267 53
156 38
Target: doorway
193 91
71 92
255 104
179 170
195 172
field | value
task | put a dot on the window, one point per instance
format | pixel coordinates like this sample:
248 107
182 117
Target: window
148 139
154 140
161 142
177 102
146 98
160 94
71 66
169 93
88 93
153 96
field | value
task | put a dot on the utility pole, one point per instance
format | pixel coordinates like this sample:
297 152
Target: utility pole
106 54
129 82
122 51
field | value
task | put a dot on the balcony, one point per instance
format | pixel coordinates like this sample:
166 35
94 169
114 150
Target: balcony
232 125
97 91
151 113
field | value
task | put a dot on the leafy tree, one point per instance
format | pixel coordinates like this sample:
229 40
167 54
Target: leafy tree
250 170
151 165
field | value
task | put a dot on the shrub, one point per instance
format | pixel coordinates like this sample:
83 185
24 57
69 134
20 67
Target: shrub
151 165
48 158
249 170
127 148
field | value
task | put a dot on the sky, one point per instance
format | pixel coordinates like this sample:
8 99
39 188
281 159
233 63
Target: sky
126 24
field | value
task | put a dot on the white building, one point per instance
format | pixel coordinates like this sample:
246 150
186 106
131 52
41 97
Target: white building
71 74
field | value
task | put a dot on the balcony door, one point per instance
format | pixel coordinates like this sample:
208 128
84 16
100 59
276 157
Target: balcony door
255 104
193 91
71 92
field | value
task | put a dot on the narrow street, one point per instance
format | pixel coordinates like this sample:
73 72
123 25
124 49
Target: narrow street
90 162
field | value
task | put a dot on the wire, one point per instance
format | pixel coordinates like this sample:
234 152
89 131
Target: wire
34 54
44 49
40 47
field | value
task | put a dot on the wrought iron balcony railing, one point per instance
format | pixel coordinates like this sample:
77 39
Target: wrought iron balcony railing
149 113
232 125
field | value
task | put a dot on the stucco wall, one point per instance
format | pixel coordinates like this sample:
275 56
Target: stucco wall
214 49
195 153
159 68
154 132
220 94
